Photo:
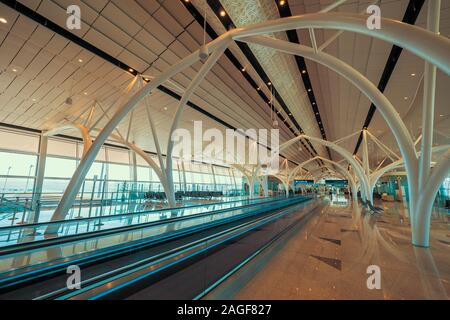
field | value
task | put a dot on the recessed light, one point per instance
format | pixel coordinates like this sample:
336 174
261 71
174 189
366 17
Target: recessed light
222 13
14 70
243 69
413 74
282 2
441 115
269 83
406 98
309 90
80 60
34 100
258 88
3 20
131 70
303 71
165 108
85 93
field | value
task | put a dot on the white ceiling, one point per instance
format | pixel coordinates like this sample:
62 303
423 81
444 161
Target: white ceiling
151 35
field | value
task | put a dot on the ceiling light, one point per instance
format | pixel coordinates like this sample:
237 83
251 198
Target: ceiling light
165 108
309 90
258 88
243 69
222 13
131 70
406 98
413 74
85 93
282 2
303 71
34 100
269 83
441 115
14 70
147 79
3 20
80 60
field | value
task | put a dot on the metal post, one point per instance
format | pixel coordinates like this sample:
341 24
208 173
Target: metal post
214 177
39 181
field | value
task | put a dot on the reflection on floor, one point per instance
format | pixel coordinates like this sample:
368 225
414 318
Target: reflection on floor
329 257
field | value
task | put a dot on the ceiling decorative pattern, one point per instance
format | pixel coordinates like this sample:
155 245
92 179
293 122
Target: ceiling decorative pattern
281 68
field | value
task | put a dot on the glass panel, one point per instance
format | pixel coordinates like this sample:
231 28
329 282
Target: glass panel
18 141
14 185
120 156
17 164
119 172
60 168
98 169
143 173
62 148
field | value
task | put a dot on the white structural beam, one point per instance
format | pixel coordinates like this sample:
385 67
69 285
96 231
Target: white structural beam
40 171
428 99
345 154
425 44
184 100
85 164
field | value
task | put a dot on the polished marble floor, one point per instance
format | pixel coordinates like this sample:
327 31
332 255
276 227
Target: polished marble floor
328 259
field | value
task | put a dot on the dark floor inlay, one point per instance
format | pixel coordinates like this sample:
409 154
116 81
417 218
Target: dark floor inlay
335 241
348 230
339 216
446 242
335 263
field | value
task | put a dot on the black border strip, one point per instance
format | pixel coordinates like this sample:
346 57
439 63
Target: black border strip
33 15
285 11
410 17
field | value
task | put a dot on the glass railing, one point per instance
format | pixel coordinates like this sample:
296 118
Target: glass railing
41 231
168 228
15 209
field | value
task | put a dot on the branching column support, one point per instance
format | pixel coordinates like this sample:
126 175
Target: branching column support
366 167
186 96
85 164
423 200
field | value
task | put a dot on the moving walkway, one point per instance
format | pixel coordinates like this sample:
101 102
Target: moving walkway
175 258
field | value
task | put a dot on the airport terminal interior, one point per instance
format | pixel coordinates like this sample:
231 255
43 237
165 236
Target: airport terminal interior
224 149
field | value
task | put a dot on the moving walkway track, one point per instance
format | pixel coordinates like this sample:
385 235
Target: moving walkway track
182 264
